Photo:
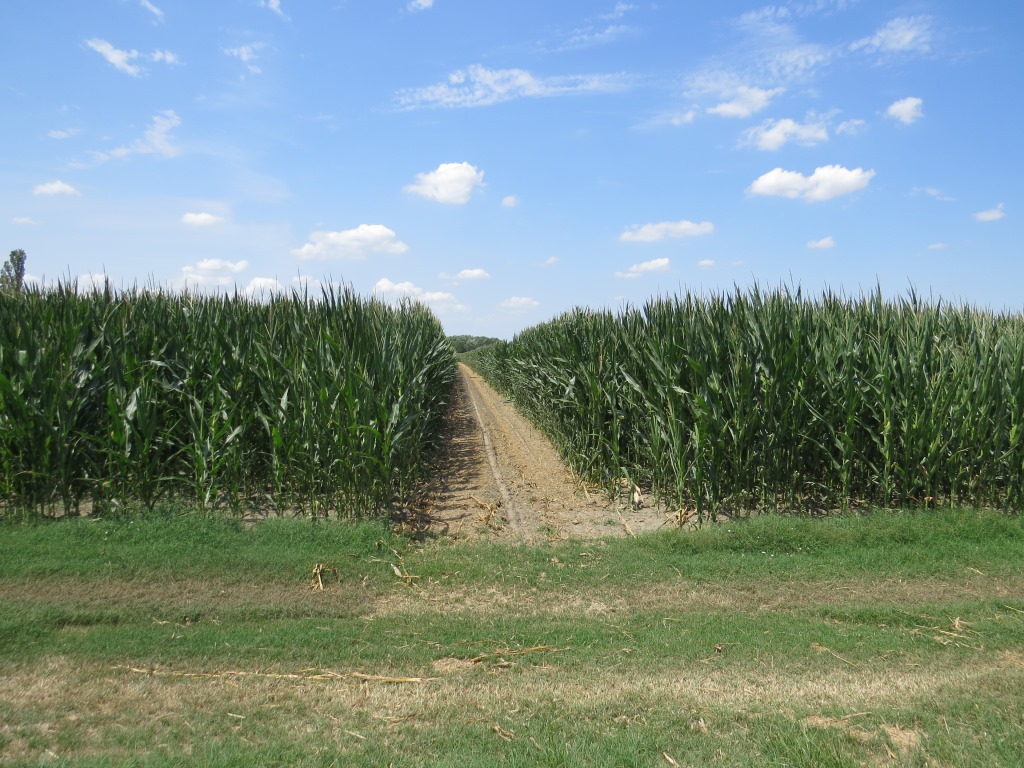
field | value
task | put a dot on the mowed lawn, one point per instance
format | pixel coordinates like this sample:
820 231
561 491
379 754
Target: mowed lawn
889 638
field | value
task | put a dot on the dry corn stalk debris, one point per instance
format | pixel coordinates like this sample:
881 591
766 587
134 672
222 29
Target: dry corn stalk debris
317 575
305 674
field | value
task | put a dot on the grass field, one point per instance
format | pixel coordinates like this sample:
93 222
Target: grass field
881 639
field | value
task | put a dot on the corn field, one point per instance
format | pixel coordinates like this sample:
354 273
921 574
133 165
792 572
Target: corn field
770 401
295 405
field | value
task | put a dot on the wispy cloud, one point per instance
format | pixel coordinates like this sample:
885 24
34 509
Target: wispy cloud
449 183
352 244
156 140
666 230
153 9
55 188
438 300
825 183
744 101
519 303
902 35
906 110
850 127
65 133
645 268
992 214
123 60
274 5
247 54
509 201
477 86
201 219
823 244
933 192
420 5
24 221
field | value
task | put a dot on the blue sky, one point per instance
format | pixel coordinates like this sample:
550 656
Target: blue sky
504 162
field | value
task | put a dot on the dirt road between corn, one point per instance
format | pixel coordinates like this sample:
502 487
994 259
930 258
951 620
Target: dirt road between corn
500 477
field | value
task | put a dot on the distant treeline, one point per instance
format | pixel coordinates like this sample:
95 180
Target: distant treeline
463 344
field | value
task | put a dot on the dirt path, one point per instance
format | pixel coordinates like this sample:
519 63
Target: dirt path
501 478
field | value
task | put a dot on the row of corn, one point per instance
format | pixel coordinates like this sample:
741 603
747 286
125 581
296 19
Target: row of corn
769 400
326 404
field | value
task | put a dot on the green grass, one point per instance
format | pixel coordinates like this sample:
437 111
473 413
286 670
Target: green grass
887 638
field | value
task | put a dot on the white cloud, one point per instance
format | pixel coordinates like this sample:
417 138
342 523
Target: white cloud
934 193
706 263
89 282
122 60
201 219
907 34
664 230
438 300
55 188
156 139
620 10
351 243
63 134
906 110
509 201
774 134
477 86
152 9
472 274
247 54
645 267
992 214
211 273
937 247
260 287
825 183
850 127
450 183
27 220
745 101
824 244
550 261
420 5
274 5
516 303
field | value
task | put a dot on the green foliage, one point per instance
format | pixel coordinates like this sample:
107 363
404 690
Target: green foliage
772 401
298 404
12 274
463 344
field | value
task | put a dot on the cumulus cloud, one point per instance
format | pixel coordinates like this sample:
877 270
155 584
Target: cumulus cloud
420 5
55 188
992 214
260 287
644 268
906 34
706 263
745 101
201 219
775 134
509 201
24 220
906 110
477 86
450 183
666 230
352 244
824 244
208 273
123 61
825 183
247 54
438 300
516 303
472 274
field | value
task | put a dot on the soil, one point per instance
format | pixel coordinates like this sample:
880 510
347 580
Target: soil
500 477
